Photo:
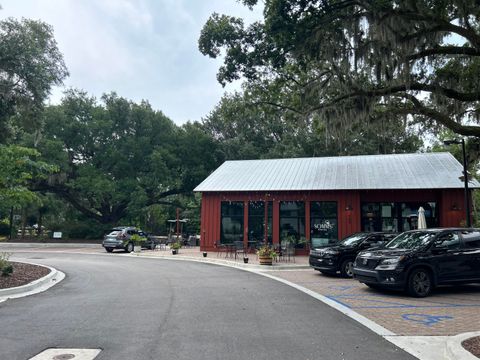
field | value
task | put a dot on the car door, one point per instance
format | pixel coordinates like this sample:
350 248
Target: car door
447 256
471 243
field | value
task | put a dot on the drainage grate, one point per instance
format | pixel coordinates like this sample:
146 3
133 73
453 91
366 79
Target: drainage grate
63 357
67 354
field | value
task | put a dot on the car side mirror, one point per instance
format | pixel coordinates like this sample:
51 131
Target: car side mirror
439 249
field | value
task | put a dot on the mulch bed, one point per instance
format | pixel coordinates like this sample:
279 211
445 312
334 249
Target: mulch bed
22 274
473 345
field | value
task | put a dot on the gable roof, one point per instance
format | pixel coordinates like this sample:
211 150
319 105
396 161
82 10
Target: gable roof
396 171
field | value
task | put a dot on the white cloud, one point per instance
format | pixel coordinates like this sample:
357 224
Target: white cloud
142 49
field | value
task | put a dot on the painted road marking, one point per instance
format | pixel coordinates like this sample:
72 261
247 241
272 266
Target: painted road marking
377 302
427 320
67 354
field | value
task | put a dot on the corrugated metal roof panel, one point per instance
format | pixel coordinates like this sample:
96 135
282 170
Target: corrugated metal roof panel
396 171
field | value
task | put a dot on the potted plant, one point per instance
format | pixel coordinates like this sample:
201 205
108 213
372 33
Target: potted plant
175 247
137 242
266 254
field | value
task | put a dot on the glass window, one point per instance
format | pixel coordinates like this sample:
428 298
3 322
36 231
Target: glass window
292 222
471 239
231 222
449 240
397 217
323 223
256 221
411 240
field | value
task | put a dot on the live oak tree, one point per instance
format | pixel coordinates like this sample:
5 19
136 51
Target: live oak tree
352 61
30 64
247 128
117 157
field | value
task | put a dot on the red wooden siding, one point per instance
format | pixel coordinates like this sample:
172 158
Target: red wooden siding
348 208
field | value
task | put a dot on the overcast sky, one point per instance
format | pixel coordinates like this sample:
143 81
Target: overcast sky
142 49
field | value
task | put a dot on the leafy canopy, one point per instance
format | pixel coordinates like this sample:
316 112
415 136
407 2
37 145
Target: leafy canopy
352 61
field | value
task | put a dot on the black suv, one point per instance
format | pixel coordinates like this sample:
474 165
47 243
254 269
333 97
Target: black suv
340 257
419 260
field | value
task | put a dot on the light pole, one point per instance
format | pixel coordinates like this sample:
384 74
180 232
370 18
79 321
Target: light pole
465 177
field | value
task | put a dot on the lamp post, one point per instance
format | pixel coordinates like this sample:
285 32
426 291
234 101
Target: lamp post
465 176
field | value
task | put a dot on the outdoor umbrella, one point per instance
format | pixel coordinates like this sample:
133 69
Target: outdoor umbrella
422 223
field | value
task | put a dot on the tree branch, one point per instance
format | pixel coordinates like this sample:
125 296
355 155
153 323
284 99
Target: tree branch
445 50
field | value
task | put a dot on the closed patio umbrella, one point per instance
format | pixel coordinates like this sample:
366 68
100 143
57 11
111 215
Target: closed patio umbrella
422 222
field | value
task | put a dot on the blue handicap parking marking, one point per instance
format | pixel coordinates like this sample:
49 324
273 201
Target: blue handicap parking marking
341 287
427 320
367 301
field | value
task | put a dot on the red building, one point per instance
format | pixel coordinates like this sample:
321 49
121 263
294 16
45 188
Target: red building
313 201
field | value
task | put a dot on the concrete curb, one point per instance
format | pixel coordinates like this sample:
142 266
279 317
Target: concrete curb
238 265
455 350
34 287
49 245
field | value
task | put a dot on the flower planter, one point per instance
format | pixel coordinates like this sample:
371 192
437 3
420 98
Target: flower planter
174 251
204 254
245 260
265 260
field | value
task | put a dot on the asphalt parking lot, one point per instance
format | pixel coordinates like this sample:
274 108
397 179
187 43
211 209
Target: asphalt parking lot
448 311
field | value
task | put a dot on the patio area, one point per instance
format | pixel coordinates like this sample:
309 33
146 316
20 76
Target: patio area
294 262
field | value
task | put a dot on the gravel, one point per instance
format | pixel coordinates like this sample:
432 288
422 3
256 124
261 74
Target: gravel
22 274
473 345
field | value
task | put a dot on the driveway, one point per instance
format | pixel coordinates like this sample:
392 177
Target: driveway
134 308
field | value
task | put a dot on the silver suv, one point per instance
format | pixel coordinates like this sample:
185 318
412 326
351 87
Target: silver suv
119 238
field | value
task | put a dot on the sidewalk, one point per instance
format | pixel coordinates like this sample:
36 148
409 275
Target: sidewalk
194 253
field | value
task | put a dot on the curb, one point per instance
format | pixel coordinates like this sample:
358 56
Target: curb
455 350
34 287
238 265
48 245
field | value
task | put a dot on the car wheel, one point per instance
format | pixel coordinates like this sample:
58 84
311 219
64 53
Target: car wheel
419 283
346 269
129 247
109 249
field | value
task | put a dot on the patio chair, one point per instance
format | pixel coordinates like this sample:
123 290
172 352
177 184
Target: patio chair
239 248
289 251
219 248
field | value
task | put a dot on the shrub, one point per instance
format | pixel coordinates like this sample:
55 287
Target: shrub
6 267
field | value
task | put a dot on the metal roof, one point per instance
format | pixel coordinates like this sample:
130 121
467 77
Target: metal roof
396 171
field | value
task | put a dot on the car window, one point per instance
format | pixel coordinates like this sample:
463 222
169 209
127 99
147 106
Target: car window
375 240
471 239
411 240
449 240
114 233
131 232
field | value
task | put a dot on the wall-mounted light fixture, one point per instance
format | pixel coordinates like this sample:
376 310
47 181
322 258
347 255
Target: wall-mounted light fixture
348 208
454 207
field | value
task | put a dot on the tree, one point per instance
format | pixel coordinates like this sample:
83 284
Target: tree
349 61
19 165
30 64
116 157
248 128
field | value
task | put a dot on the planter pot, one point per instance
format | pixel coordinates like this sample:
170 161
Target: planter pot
265 260
174 251
204 254
245 260
137 248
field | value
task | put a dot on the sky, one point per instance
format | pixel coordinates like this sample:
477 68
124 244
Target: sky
141 49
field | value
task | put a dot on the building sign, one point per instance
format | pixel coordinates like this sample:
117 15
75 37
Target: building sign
324 225
57 235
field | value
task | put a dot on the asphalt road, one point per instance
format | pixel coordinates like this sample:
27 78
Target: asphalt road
135 308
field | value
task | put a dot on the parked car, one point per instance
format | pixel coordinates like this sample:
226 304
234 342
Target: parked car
419 260
340 257
120 238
